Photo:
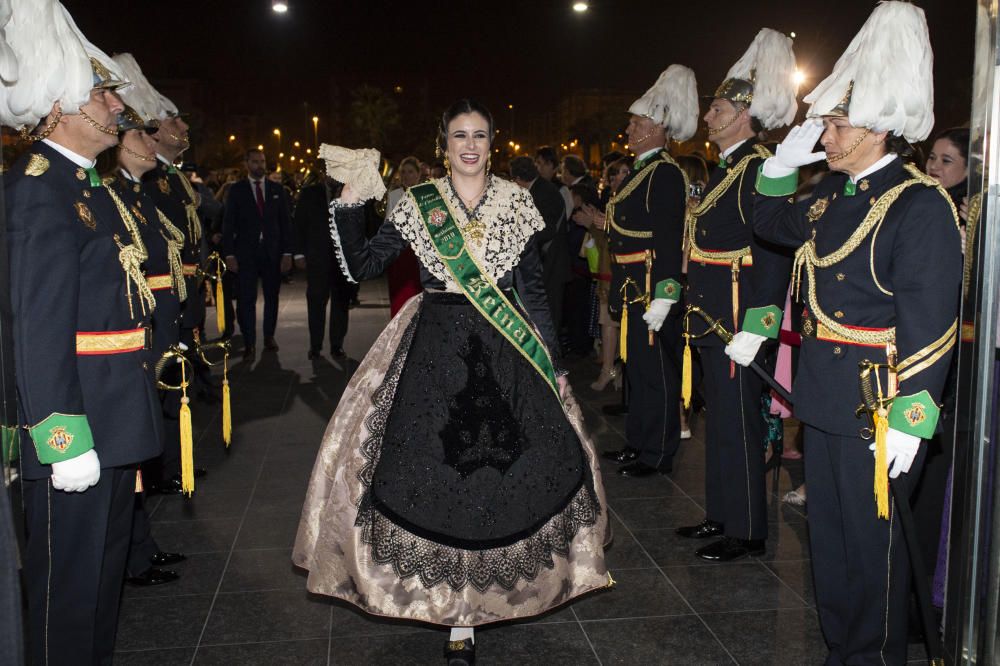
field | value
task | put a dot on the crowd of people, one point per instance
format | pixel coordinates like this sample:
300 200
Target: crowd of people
457 483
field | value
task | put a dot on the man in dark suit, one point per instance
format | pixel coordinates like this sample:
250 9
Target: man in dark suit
257 239
325 281
552 239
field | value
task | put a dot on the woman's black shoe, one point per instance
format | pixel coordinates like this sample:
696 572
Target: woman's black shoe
460 653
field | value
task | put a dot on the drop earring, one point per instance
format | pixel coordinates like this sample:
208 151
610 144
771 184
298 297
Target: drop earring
447 165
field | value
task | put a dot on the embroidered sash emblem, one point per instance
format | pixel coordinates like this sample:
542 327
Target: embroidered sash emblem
768 320
437 217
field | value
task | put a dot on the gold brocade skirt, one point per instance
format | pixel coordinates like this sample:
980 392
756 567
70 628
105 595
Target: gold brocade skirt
332 545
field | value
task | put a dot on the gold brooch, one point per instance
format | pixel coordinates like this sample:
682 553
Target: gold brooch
37 165
807 327
817 209
85 215
915 415
60 439
164 185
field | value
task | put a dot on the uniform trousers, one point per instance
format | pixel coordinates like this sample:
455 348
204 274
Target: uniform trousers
267 271
860 561
74 564
142 545
735 493
326 284
654 379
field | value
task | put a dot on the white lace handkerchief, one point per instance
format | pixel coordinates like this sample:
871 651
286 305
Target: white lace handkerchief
357 168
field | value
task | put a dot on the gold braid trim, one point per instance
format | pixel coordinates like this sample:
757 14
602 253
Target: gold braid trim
194 223
710 201
131 257
175 247
630 187
971 224
807 258
932 358
932 352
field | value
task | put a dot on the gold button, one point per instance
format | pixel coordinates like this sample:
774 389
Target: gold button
145 366
86 194
834 195
838 314
80 175
841 277
863 185
836 350
871 202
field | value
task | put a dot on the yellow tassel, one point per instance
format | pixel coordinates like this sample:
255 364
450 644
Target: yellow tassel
138 481
686 374
220 310
623 336
227 412
187 449
881 464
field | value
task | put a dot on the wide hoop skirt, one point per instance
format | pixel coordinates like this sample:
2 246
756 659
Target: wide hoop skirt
451 485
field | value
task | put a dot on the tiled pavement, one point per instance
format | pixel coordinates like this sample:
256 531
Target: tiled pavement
240 600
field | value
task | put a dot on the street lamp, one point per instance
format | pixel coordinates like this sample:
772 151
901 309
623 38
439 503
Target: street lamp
296 144
316 132
799 77
232 137
279 6
260 146
277 134
580 7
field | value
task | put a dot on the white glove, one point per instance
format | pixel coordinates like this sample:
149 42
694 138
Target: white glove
900 448
77 474
744 346
797 149
657 312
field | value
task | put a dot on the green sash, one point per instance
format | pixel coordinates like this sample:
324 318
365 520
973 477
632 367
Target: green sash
478 287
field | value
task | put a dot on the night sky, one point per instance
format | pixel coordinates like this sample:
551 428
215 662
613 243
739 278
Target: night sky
522 52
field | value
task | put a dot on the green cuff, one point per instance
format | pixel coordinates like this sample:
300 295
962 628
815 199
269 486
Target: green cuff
61 437
914 414
777 187
10 439
764 321
668 289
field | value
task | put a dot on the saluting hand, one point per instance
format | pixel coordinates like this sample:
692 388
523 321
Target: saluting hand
797 148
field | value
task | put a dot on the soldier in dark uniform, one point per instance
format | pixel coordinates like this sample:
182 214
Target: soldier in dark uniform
81 314
172 195
164 274
880 259
645 222
738 281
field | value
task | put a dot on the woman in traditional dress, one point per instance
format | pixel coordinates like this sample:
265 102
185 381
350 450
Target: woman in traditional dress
455 484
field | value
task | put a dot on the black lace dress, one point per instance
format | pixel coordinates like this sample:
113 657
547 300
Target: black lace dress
452 485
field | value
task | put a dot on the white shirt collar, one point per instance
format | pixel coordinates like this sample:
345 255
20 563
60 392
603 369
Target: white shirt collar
75 158
257 180
576 181
129 176
886 159
164 160
646 154
732 149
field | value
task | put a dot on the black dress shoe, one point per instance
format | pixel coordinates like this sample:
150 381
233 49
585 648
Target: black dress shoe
162 559
626 455
153 576
640 469
338 352
615 410
460 653
167 487
314 354
270 344
249 354
706 528
728 549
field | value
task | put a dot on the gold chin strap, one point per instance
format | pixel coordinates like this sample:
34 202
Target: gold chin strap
112 131
712 132
854 146
129 151
27 136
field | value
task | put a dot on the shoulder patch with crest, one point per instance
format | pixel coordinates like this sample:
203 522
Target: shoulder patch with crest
37 165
